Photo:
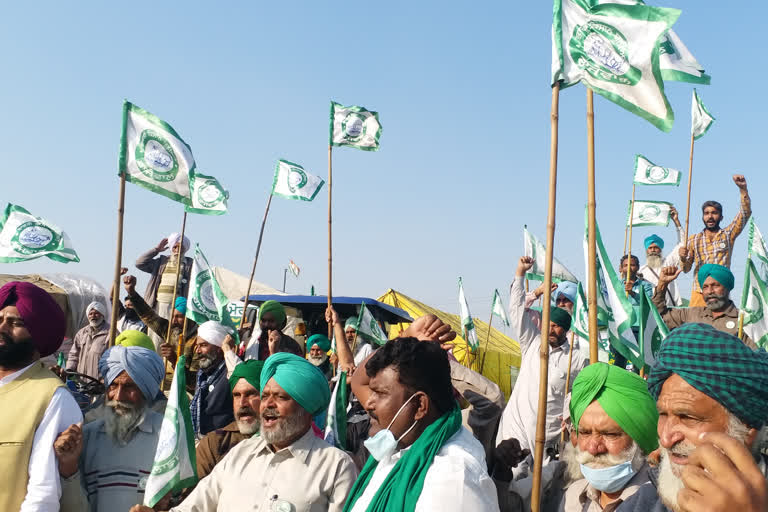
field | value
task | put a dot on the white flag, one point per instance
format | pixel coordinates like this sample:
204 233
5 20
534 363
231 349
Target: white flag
295 270
336 421
536 250
152 154
369 328
648 173
756 247
701 119
468 331
26 237
754 306
207 196
498 308
292 182
175 465
652 331
206 300
355 127
649 213
613 49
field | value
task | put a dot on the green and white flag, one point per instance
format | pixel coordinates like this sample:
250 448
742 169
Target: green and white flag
754 306
25 237
292 182
580 320
701 119
336 419
175 465
498 308
648 213
355 127
536 250
369 328
206 301
207 196
614 50
648 173
756 247
468 331
153 155
652 329
677 63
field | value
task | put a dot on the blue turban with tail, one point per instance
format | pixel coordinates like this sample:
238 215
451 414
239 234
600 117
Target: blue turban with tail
142 365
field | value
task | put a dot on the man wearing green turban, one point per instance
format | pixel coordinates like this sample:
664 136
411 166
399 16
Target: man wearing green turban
270 338
615 419
131 338
716 282
318 346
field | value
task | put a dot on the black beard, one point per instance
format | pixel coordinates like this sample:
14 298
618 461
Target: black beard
131 315
16 354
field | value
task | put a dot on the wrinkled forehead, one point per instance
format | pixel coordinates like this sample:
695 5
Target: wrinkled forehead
595 418
679 398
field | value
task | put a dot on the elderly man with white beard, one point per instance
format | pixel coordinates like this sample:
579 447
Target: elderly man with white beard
211 406
104 465
90 342
655 261
318 346
614 418
712 397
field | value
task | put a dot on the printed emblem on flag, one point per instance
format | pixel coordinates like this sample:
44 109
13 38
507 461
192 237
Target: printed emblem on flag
656 174
203 299
297 178
353 126
210 194
601 50
155 157
32 237
753 316
649 212
166 456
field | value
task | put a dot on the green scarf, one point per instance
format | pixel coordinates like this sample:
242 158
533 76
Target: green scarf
402 487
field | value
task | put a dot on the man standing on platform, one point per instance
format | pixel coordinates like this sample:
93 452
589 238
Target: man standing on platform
90 342
654 261
714 244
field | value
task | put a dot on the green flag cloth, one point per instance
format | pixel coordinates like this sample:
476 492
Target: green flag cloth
701 119
249 370
300 379
468 331
355 127
293 182
207 196
754 306
369 328
648 213
206 301
623 396
498 308
153 155
648 173
402 487
25 237
535 249
336 420
652 329
757 247
613 49
175 465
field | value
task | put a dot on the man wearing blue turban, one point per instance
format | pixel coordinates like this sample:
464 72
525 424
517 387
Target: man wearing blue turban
655 261
117 451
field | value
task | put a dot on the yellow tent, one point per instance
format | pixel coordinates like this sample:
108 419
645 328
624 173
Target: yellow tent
503 353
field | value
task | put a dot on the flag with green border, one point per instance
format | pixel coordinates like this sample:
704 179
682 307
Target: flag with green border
756 247
206 300
293 182
701 119
207 195
498 308
369 328
652 329
354 127
24 237
648 213
153 155
468 331
614 50
754 306
533 248
336 419
648 173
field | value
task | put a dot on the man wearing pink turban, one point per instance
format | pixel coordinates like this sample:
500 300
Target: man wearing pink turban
36 405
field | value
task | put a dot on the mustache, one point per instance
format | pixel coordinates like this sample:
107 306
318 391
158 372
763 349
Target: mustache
245 410
270 414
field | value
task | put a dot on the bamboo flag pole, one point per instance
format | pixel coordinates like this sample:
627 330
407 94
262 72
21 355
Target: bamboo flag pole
626 229
688 201
629 249
487 341
179 263
592 249
255 260
118 262
541 418
330 238
568 378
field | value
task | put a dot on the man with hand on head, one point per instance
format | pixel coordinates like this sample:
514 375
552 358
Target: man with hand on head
90 342
287 467
104 465
211 406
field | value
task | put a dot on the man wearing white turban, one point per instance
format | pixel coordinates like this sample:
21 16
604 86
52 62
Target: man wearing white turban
211 406
90 342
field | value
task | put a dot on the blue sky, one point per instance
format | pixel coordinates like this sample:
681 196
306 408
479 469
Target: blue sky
463 95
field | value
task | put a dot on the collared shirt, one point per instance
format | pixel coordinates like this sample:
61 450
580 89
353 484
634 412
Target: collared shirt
87 347
519 417
44 488
457 480
718 247
308 476
672 259
582 497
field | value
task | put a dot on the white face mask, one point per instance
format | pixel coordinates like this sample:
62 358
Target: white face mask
384 444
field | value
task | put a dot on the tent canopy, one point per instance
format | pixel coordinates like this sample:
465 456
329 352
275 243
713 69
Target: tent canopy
502 356
344 306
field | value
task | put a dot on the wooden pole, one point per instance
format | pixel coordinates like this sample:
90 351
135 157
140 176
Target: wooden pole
568 378
178 272
118 262
629 249
255 260
688 201
487 342
541 419
592 241
626 229
330 237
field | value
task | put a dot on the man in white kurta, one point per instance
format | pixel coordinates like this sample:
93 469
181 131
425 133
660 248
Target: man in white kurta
655 261
519 418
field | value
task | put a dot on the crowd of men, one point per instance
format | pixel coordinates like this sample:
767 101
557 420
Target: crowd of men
423 432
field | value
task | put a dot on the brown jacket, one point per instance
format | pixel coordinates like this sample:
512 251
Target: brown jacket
155 266
214 446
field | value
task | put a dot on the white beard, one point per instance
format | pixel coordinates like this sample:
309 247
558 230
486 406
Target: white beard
317 361
120 426
653 261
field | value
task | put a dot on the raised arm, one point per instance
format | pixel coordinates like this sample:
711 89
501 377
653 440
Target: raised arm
146 262
524 329
343 351
672 317
152 320
737 225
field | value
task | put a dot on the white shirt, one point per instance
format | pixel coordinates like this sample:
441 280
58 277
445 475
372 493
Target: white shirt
672 260
519 417
44 488
363 351
457 480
